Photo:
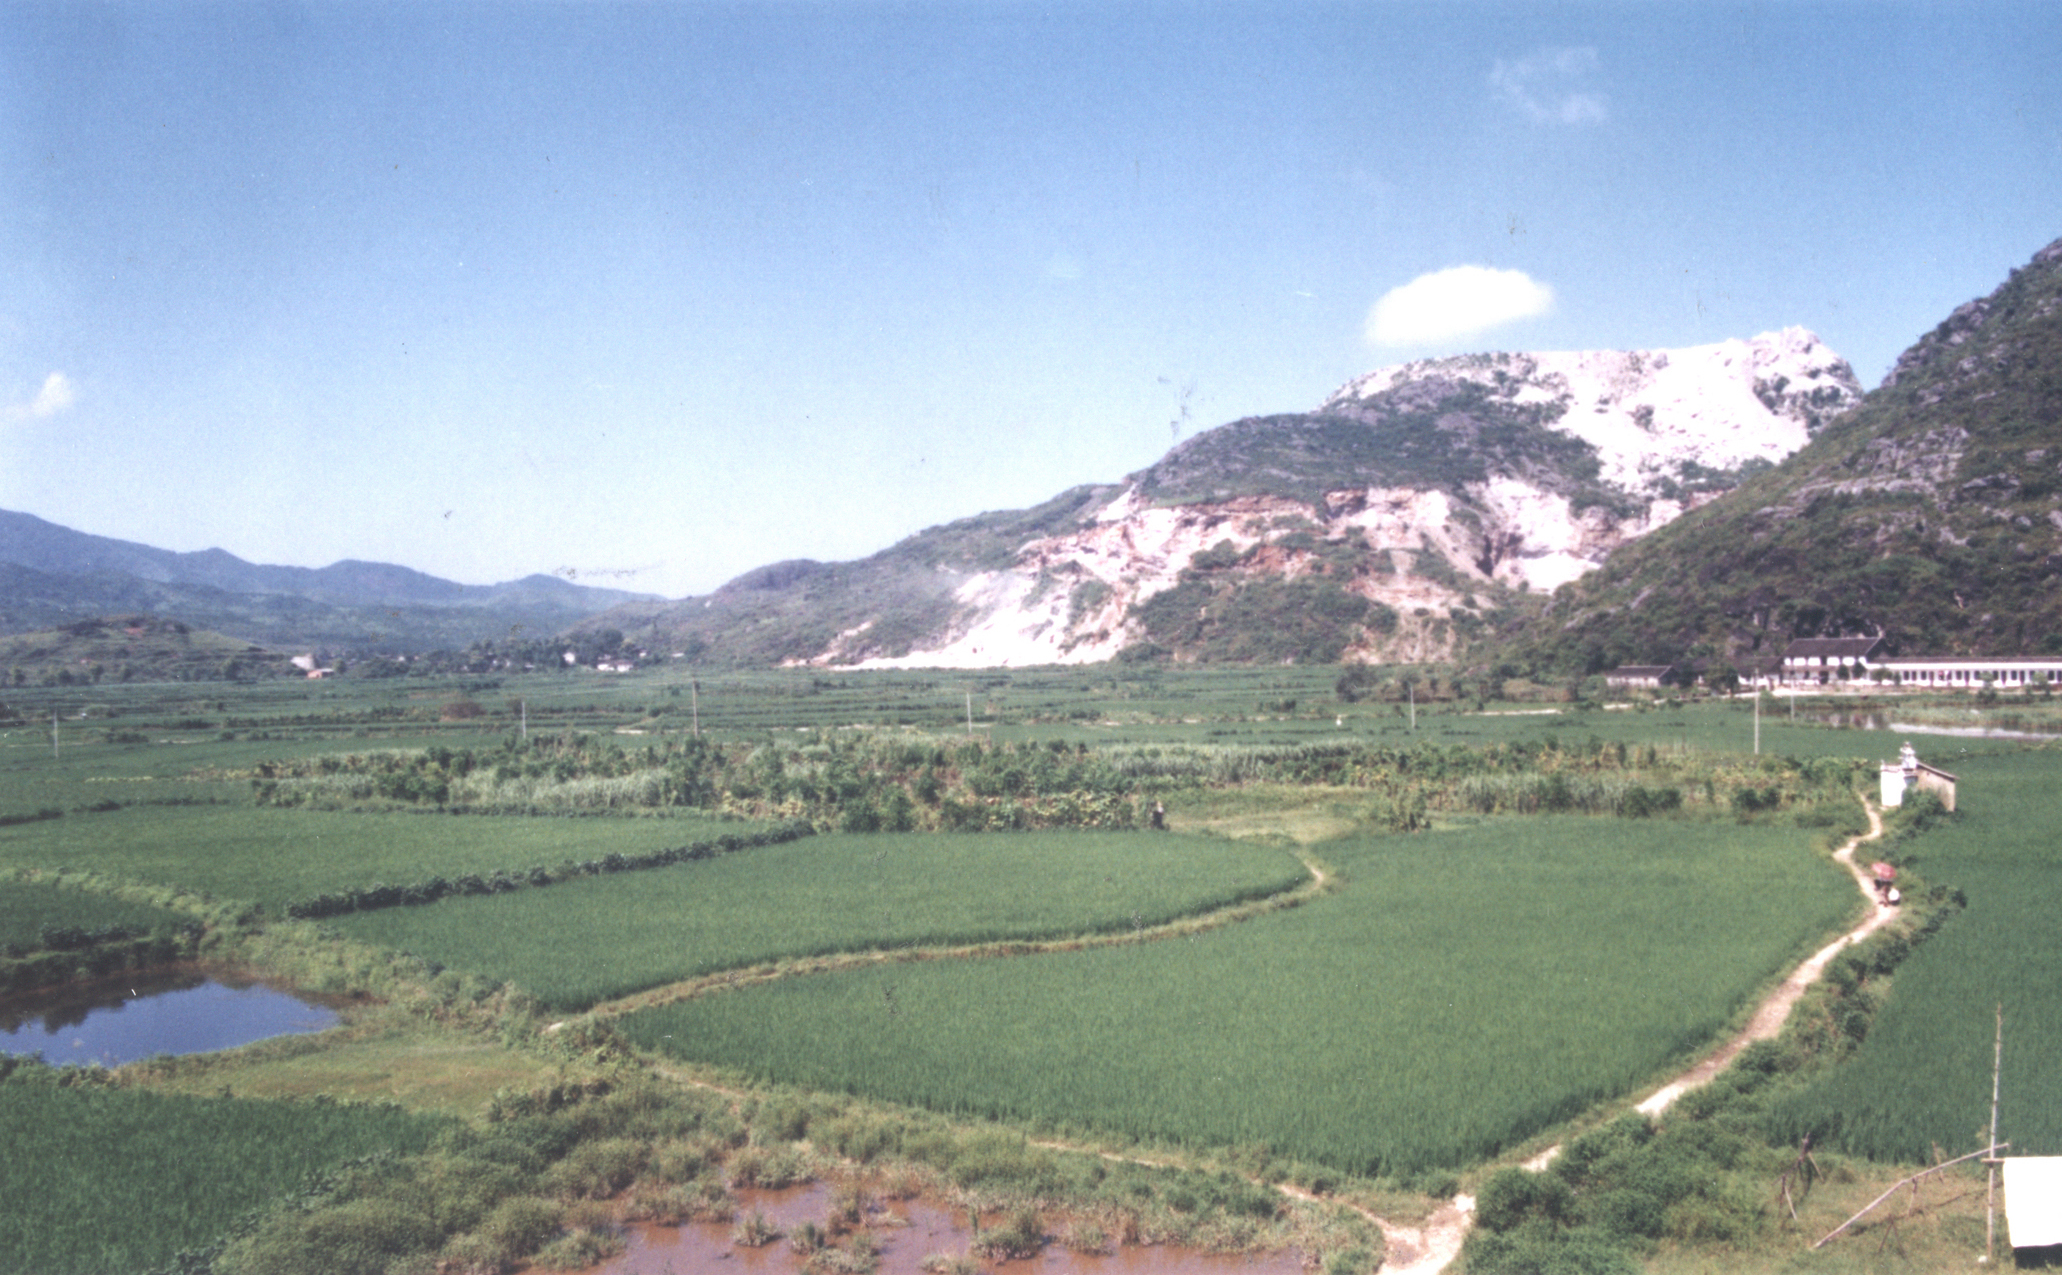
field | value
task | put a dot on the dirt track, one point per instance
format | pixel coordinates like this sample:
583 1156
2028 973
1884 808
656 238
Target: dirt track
1431 1251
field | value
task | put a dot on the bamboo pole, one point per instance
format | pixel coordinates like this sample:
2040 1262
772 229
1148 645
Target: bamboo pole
1990 1201
1913 1180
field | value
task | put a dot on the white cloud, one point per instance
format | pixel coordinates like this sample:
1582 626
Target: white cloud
1456 302
55 396
1550 86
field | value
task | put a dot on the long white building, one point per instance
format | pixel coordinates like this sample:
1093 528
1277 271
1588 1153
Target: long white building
1827 661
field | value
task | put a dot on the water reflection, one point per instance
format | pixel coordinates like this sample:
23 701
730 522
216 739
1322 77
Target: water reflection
907 1232
186 1011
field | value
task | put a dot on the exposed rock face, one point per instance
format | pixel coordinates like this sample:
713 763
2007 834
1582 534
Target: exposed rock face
1659 418
1429 489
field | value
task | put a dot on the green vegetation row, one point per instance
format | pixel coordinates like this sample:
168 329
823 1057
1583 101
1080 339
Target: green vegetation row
1463 990
867 781
373 897
609 936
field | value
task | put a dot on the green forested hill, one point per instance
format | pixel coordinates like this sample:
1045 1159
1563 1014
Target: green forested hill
140 648
1931 513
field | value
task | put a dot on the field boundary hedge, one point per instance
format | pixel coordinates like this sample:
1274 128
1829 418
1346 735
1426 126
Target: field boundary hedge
379 895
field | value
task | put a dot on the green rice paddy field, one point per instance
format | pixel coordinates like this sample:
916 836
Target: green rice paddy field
153 1174
28 908
273 856
1462 991
600 937
1923 1076
1458 992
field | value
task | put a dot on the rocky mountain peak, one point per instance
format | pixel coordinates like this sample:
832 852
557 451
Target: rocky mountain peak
1657 418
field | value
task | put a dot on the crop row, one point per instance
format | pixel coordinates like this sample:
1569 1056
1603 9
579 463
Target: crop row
377 895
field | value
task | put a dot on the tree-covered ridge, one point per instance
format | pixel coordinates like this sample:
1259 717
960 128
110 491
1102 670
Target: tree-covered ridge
1932 513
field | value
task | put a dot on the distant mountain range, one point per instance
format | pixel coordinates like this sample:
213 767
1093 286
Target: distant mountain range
1557 511
1932 515
1409 517
51 576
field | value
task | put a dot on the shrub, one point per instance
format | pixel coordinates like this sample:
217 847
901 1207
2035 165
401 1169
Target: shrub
1022 1236
753 1230
1351 1261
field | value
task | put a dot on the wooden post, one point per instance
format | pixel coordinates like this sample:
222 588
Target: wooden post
694 690
53 734
970 714
1990 1201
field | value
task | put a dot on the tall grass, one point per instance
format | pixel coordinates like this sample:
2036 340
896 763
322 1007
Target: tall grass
1464 990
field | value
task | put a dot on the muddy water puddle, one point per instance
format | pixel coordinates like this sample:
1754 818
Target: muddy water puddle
906 1231
183 1011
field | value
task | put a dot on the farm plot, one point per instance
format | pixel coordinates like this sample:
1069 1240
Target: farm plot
1463 991
102 1179
272 856
31 911
1922 1077
595 938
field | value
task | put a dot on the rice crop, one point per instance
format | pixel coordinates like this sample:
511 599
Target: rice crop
1461 991
274 856
1922 1077
592 939
101 1179
37 915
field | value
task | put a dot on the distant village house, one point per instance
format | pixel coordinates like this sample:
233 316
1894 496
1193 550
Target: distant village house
1640 676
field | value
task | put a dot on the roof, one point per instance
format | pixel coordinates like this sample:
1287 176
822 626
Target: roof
1992 661
1848 648
2033 1200
1641 670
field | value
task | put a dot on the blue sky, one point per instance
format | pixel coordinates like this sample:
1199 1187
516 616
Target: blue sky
652 294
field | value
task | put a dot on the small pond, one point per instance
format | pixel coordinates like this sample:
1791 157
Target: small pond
187 1011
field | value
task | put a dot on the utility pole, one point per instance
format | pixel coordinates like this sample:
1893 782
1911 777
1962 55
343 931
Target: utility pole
53 734
694 687
970 714
1757 719
523 707
1413 708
